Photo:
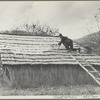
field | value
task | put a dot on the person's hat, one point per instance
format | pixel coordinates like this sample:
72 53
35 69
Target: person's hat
60 34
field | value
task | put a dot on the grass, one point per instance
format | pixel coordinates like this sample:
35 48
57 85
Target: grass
5 90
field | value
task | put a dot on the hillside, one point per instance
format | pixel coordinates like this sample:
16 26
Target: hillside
91 40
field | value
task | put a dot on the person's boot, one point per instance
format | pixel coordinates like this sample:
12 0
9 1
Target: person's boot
79 50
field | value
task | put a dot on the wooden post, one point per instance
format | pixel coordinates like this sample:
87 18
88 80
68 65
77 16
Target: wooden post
0 61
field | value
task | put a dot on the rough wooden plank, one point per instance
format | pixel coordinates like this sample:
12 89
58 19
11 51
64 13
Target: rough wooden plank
16 63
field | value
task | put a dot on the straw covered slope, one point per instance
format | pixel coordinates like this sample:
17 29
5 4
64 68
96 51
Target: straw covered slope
37 50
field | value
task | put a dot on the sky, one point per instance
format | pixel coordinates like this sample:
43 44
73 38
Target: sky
71 17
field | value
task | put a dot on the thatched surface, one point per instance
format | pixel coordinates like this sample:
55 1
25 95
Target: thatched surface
38 50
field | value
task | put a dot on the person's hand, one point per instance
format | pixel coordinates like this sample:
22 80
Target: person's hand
59 44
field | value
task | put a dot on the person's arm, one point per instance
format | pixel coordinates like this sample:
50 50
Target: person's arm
60 42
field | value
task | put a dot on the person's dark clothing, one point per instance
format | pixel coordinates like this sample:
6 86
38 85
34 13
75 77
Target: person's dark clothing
68 43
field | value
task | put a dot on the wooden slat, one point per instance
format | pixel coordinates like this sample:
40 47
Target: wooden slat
37 57
14 62
94 71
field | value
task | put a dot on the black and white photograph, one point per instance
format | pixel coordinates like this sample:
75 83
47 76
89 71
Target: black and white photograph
50 48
